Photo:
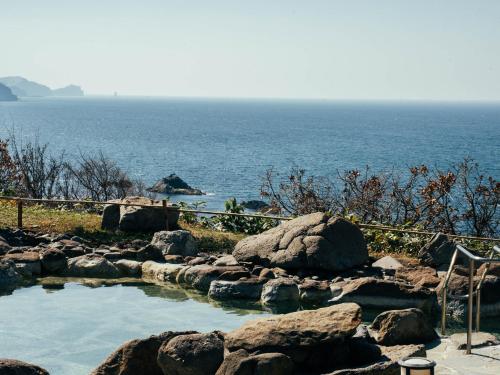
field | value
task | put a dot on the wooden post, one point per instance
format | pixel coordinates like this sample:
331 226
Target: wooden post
20 214
165 209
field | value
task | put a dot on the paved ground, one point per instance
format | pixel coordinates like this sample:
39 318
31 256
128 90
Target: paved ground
451 361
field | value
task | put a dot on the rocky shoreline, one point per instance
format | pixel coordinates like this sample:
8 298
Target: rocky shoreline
315 263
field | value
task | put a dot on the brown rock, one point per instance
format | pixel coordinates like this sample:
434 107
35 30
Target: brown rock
53 260
242 363
426 277
376 293
136 357
15 367
297 334
194 354
401 327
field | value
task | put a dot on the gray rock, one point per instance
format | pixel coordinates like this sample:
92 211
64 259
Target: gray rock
160 271
173 185
9 277
375 293
138 219
243 363
438 251
91 266
280 290
240 289
312 241
314 292
388 264
27 262
53 261
4 246
149 252
194 354
402 327
129 267
15 367
178 242
200 276
226 260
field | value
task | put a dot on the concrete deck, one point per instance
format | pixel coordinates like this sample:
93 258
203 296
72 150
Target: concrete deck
452 361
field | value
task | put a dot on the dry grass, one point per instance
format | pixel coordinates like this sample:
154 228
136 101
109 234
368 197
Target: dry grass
43 219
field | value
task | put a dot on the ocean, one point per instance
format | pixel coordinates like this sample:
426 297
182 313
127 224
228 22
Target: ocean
224 147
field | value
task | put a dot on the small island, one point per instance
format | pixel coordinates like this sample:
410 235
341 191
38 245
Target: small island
174 185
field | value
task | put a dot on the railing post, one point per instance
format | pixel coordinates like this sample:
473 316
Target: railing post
20 213
165 210
445 291
470 306
443 312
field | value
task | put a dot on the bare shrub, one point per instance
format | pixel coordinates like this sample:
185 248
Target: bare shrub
459 199
95 177
38 170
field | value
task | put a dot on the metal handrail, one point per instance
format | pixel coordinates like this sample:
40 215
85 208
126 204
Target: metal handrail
470 296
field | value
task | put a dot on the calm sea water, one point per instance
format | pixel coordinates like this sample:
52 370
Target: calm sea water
225 146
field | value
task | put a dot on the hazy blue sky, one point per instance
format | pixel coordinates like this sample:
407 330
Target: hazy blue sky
375 49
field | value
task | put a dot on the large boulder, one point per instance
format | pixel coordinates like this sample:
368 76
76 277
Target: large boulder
91 266
177 242
304 336
243 363
138 219
376 293
401 327
15 367
136 357
313 241
194 354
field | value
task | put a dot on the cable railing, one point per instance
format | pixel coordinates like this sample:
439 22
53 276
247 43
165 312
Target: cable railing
493 257
174 208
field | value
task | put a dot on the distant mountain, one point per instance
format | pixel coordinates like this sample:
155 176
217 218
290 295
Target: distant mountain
71 90
6 94
22 87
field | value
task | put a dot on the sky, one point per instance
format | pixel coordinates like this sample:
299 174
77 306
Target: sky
372 49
